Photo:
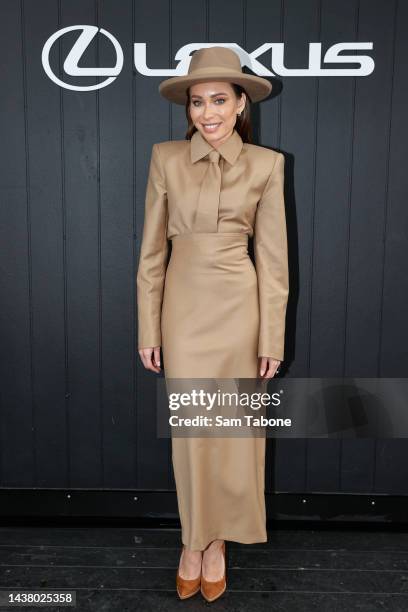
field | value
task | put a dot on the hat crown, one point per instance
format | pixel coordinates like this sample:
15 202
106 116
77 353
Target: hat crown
216 63
214 57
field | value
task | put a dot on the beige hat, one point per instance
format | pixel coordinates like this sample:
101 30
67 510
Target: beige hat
214 64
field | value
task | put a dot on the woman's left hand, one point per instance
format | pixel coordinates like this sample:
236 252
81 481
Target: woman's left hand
268 367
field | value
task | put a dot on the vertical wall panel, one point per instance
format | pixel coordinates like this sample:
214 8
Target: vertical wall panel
81 169
17 458
391 463
394 322
369 180
151 124
335 116
117 256
46 237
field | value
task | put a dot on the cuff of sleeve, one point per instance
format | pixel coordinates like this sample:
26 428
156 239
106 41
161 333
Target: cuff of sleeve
149 339
273 352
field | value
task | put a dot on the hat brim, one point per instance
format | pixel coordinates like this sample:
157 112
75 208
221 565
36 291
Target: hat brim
174 89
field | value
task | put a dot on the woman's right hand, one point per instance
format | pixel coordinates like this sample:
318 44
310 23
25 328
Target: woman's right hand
151 358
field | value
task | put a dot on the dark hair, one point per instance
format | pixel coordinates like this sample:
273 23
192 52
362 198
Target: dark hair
243 124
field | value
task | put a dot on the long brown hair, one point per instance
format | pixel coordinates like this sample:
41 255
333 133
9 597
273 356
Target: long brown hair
243 124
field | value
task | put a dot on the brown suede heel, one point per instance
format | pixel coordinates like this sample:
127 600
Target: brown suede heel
212 589
187 588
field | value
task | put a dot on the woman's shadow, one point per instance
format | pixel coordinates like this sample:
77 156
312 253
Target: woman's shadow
292 234
293 264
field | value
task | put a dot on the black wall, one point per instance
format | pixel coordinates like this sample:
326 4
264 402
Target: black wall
77 406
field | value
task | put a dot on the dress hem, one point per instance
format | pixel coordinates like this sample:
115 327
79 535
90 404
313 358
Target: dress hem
228 538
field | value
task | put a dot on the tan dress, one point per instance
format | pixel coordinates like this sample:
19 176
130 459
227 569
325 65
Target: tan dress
214 313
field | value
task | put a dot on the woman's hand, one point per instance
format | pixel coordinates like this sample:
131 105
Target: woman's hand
151 358
268 367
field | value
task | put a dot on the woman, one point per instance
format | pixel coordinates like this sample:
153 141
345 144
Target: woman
209 309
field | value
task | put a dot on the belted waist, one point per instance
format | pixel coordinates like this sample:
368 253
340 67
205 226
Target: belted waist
235 237
207 250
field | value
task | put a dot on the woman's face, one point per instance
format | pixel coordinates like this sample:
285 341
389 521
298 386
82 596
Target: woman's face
214 108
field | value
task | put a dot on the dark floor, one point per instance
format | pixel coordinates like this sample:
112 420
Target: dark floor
117 569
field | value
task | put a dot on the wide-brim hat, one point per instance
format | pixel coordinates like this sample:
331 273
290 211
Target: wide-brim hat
214 64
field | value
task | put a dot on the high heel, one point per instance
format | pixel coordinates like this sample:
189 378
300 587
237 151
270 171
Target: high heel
212 589
187 588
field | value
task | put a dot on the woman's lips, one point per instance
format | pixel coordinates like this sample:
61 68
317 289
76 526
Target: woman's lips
211 129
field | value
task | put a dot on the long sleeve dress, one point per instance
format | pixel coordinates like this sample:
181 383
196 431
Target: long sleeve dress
214 313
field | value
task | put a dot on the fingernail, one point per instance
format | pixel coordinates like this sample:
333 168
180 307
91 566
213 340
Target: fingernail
262 372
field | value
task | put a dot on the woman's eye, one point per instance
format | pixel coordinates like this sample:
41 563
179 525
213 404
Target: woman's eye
196 102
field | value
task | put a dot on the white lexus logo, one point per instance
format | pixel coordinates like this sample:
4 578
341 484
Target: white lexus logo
183 55
71 63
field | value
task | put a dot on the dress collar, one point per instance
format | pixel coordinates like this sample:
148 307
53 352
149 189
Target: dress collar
230 149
